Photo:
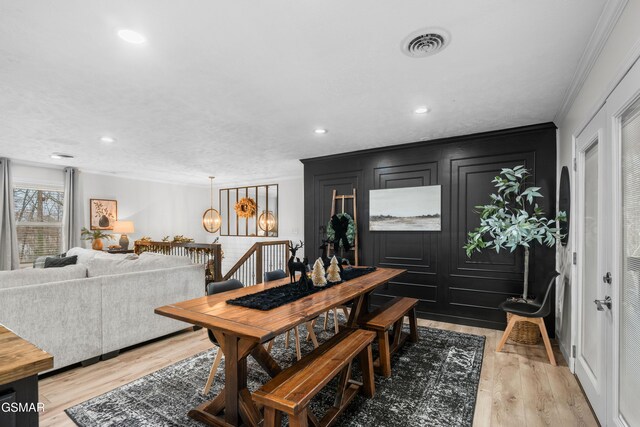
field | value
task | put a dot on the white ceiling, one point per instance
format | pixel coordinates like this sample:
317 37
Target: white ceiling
236 88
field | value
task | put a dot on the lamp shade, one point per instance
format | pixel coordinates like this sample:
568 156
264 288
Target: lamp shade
123 227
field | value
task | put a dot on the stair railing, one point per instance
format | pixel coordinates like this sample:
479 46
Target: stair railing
261 257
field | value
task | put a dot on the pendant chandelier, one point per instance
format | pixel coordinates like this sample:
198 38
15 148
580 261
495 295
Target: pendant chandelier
267 221
211 220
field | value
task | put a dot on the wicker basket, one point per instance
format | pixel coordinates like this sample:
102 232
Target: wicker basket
524 332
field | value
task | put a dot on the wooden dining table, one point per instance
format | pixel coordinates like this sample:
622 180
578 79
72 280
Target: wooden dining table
241 331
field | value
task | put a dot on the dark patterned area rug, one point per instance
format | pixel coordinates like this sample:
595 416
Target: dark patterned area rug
434 383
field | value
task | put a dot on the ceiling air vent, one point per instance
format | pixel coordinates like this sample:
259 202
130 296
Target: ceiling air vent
425 42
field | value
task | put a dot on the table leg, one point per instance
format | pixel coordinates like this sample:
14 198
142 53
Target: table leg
264 359
356 311
232 372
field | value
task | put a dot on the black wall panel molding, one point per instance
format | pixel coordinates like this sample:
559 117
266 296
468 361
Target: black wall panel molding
450 286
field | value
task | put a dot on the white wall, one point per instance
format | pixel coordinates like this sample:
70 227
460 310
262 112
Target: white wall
32 174
290 221
622 41
157 209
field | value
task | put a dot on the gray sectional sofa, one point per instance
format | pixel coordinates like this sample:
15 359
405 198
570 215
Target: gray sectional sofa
98 306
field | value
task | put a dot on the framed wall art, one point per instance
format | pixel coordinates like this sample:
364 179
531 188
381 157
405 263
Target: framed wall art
103 213
405 209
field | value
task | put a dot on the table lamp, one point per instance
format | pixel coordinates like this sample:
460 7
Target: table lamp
123 228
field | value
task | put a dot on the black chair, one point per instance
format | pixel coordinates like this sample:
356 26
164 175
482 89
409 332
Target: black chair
216 288
533 312
277 275
274 275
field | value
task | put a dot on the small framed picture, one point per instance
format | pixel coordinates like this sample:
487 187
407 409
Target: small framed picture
103 213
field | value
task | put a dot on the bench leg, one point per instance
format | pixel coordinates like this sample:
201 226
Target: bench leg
272 417
366 366
326 319
336 326
311 335
413 325
385 353
286 340
299 420
297 334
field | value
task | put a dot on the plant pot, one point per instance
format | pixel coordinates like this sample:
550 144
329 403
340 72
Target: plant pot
103 221
524 332
97 245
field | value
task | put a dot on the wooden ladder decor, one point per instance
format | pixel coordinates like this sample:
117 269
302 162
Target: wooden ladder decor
341 198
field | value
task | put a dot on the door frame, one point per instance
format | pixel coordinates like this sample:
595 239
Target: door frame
594 133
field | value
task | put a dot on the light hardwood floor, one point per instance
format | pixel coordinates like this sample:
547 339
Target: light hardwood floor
518 387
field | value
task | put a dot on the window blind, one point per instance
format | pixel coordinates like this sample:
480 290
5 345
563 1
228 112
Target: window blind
629 388
38 213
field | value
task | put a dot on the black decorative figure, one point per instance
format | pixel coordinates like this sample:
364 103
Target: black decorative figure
325 259
292 261
340 226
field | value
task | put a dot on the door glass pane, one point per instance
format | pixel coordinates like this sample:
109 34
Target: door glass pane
591 328
629 295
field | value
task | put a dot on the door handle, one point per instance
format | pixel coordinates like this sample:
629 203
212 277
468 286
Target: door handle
600 303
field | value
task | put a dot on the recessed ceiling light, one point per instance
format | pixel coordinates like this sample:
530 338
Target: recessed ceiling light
107 139
321 131
131 36
58 156
421 110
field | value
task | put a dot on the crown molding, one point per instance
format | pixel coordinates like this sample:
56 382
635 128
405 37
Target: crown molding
606 23
632 57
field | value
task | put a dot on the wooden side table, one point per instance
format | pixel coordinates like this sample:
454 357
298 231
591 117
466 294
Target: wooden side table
120 251
20 363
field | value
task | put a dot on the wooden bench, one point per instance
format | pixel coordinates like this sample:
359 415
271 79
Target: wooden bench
292 389
382 319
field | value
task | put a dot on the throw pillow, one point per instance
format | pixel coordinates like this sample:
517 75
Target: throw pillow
52 262
39 262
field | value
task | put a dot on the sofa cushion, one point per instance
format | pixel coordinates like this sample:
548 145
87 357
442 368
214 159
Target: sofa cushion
57 262
120 263
35 276
84 255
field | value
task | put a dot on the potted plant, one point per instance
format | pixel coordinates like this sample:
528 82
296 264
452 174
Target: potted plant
513 219
95 237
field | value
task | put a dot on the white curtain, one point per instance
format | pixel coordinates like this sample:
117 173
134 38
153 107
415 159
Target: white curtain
8 235
71 216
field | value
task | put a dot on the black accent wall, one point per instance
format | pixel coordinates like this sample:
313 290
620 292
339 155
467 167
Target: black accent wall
450 286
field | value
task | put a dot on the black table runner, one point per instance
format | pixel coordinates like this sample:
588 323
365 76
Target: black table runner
281 295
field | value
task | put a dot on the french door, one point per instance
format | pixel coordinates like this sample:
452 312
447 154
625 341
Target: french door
623 111
594 310
608 246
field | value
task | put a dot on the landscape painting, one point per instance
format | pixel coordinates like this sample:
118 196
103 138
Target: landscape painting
405 209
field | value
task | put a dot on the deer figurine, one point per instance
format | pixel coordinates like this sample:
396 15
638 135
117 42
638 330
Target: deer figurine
292 264
325 259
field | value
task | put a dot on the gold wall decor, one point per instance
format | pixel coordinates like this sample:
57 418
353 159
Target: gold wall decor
245 207
241 217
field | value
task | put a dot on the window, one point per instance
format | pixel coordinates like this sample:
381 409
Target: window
38 221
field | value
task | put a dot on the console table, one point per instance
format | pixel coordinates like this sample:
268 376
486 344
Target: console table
20 363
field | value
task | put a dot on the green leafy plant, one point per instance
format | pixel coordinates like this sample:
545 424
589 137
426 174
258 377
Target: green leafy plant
94 235
513 219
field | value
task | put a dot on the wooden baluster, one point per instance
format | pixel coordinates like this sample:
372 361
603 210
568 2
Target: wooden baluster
259 264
